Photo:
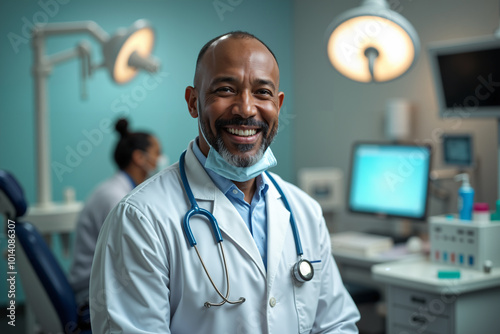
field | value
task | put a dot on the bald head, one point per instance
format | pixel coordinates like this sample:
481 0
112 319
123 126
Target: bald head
214 41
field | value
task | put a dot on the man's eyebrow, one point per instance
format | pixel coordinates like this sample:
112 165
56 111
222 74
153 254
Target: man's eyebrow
265 82
230 79
218 80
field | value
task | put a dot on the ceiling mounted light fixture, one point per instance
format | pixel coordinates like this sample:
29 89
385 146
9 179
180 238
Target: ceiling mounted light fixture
372 43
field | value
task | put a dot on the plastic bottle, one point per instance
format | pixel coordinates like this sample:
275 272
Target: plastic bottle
481 213
495 216
465 197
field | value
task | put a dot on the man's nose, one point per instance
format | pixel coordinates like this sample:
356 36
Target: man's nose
245 105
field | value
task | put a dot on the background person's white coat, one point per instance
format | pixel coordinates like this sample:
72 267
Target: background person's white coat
90 220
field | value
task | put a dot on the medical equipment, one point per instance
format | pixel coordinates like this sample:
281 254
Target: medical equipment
458 150
389 180
464 243
302 271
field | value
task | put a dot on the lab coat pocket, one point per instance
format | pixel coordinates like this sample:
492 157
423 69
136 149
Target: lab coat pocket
306 298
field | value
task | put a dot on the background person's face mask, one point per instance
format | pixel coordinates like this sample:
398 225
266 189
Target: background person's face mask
151 169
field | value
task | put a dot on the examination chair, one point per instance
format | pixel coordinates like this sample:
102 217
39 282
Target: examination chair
48 292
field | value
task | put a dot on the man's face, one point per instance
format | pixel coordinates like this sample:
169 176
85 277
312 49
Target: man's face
237 100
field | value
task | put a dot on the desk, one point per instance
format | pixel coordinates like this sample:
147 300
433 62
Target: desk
419 302
357 268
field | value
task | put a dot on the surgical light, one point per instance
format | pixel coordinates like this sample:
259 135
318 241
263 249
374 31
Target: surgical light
129 51
125 53
372 43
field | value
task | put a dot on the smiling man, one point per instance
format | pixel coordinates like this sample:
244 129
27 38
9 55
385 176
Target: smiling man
158 269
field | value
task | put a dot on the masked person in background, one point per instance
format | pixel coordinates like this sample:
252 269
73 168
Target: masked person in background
137 155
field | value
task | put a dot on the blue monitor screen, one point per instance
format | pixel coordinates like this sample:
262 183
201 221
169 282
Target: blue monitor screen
390 180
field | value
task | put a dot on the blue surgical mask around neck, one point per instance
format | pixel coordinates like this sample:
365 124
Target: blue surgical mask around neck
219 165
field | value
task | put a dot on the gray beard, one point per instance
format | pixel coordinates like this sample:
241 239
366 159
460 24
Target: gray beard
236 160
220 147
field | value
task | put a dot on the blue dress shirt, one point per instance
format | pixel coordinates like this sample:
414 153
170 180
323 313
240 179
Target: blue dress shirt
254 214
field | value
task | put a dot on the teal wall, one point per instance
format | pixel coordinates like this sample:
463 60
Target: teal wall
182 27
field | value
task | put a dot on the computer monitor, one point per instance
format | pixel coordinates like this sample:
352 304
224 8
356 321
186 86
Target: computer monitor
389 180
466 75
458 150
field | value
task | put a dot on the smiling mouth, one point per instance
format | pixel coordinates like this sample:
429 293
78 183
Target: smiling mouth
242 132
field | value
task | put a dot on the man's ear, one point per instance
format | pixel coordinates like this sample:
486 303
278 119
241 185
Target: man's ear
281 98
191 96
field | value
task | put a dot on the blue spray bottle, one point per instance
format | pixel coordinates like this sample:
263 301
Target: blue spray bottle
465 197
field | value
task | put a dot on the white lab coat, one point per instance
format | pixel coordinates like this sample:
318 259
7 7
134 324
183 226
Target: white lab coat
147 279
99 204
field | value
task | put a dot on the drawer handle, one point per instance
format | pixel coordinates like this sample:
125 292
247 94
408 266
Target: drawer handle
419 319
419 300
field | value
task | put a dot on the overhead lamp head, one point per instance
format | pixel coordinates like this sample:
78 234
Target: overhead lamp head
129 51
372 43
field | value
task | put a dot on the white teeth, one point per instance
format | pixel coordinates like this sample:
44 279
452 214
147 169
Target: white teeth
242 133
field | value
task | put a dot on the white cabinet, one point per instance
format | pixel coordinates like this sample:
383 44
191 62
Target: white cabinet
419 302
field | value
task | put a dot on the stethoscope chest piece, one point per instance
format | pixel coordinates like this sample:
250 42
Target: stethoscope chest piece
303 271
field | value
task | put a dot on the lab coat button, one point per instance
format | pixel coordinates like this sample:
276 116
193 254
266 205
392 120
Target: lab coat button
235 191
272 302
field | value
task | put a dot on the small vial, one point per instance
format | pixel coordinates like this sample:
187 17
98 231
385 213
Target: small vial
481 213
69 195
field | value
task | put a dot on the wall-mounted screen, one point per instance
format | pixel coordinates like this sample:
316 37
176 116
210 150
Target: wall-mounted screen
467 77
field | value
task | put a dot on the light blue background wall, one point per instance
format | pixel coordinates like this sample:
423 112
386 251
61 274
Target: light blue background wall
182 27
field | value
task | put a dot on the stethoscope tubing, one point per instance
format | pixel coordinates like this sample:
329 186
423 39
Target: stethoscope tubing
295 230
300 275
195 209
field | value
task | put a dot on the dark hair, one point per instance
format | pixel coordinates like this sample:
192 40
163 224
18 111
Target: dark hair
128 143
233 34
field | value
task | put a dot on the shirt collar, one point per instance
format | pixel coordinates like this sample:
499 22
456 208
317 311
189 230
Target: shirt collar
226 185
131 180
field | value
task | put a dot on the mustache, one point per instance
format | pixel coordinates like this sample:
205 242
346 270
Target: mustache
239 121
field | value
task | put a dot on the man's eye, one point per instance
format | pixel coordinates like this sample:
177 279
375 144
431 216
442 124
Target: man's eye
264 92
224 90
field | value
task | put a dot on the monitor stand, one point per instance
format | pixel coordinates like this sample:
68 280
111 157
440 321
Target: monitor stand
401 230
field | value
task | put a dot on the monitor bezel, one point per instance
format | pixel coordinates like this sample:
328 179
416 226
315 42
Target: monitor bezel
450 136
454 47
350 209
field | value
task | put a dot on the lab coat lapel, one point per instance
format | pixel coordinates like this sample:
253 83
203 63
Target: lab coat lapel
278 222
235 229
229 220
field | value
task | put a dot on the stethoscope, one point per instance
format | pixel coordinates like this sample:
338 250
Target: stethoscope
302 271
